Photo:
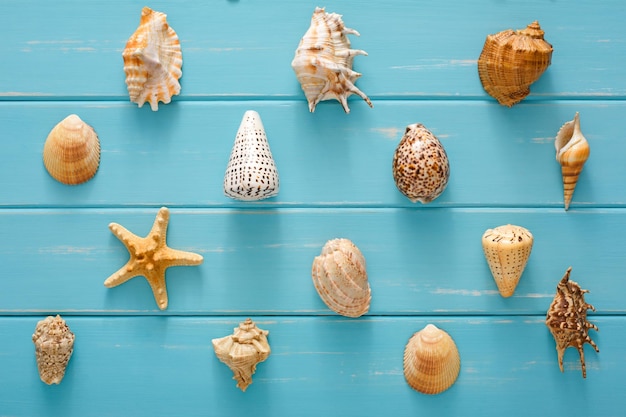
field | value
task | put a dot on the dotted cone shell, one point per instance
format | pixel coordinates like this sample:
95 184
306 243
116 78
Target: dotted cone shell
431 361
572 151
71 153
420 165
251 173
323 61
54 344
507 249
567 319
340 278
511 61
153 61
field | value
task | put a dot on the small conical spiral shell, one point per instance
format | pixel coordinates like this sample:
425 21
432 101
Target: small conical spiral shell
54 344
572 151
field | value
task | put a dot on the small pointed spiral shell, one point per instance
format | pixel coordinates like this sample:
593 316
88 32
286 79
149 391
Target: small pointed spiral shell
572 151
54 344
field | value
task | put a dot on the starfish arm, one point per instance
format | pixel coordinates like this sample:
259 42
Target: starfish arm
122 275
175 257
156 279
122 233
159 228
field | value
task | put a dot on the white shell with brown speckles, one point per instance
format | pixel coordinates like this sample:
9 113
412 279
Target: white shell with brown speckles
54 344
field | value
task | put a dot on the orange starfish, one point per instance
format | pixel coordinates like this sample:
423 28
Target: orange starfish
150 257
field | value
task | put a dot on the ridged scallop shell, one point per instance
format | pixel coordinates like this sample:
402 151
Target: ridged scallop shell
251 173
54 344
431 361
153 61
420 165
567 319
323 61
71 153
507 249
572 151
511 61
242 350
340 278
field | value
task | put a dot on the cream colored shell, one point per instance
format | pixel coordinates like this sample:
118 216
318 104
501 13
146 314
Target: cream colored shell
572 151
54 344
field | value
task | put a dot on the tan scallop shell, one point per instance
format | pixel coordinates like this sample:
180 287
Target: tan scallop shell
340 278
431 361
507 249
153 61
54 344
567 319
420 165
323 61
71 153
242 350
572 151
511 61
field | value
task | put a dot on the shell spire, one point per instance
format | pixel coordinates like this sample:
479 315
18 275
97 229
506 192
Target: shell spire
572 151
54 344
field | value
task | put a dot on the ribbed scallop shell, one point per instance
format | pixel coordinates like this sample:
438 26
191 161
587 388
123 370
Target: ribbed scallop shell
507 249
511 61
153 61
242 350
567 319
340 278
323 61
420 165
71 153
431 361
572 151
54 344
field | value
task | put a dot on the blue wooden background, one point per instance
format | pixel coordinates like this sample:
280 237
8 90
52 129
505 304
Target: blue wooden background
425 263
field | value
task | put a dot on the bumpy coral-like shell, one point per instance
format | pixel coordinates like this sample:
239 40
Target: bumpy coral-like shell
511 61
567 319
323 61
251 173
507 249
54 344
431 361
71 153
420 165
572 151
153 61
242 350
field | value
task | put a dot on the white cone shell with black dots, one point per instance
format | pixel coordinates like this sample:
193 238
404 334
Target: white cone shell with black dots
251 173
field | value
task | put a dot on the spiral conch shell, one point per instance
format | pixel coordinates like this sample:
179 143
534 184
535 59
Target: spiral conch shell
153 61
507 249
242 350
572 151
323 61
511 61
420 165
567 319
431 361
71 153
340 278
54 344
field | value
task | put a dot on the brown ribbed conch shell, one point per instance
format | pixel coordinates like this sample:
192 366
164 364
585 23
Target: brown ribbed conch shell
323 61
153 61
71 153
431 361
511 61
54 344
340 278
242 350
420 165
572 151
567 319
507 249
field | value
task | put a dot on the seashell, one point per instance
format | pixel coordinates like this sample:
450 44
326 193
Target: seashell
323 61
511 61
251 173
340 278
242 350
71 153
54 344
153 61
567 319
507 249
420 165
572 151
431 361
